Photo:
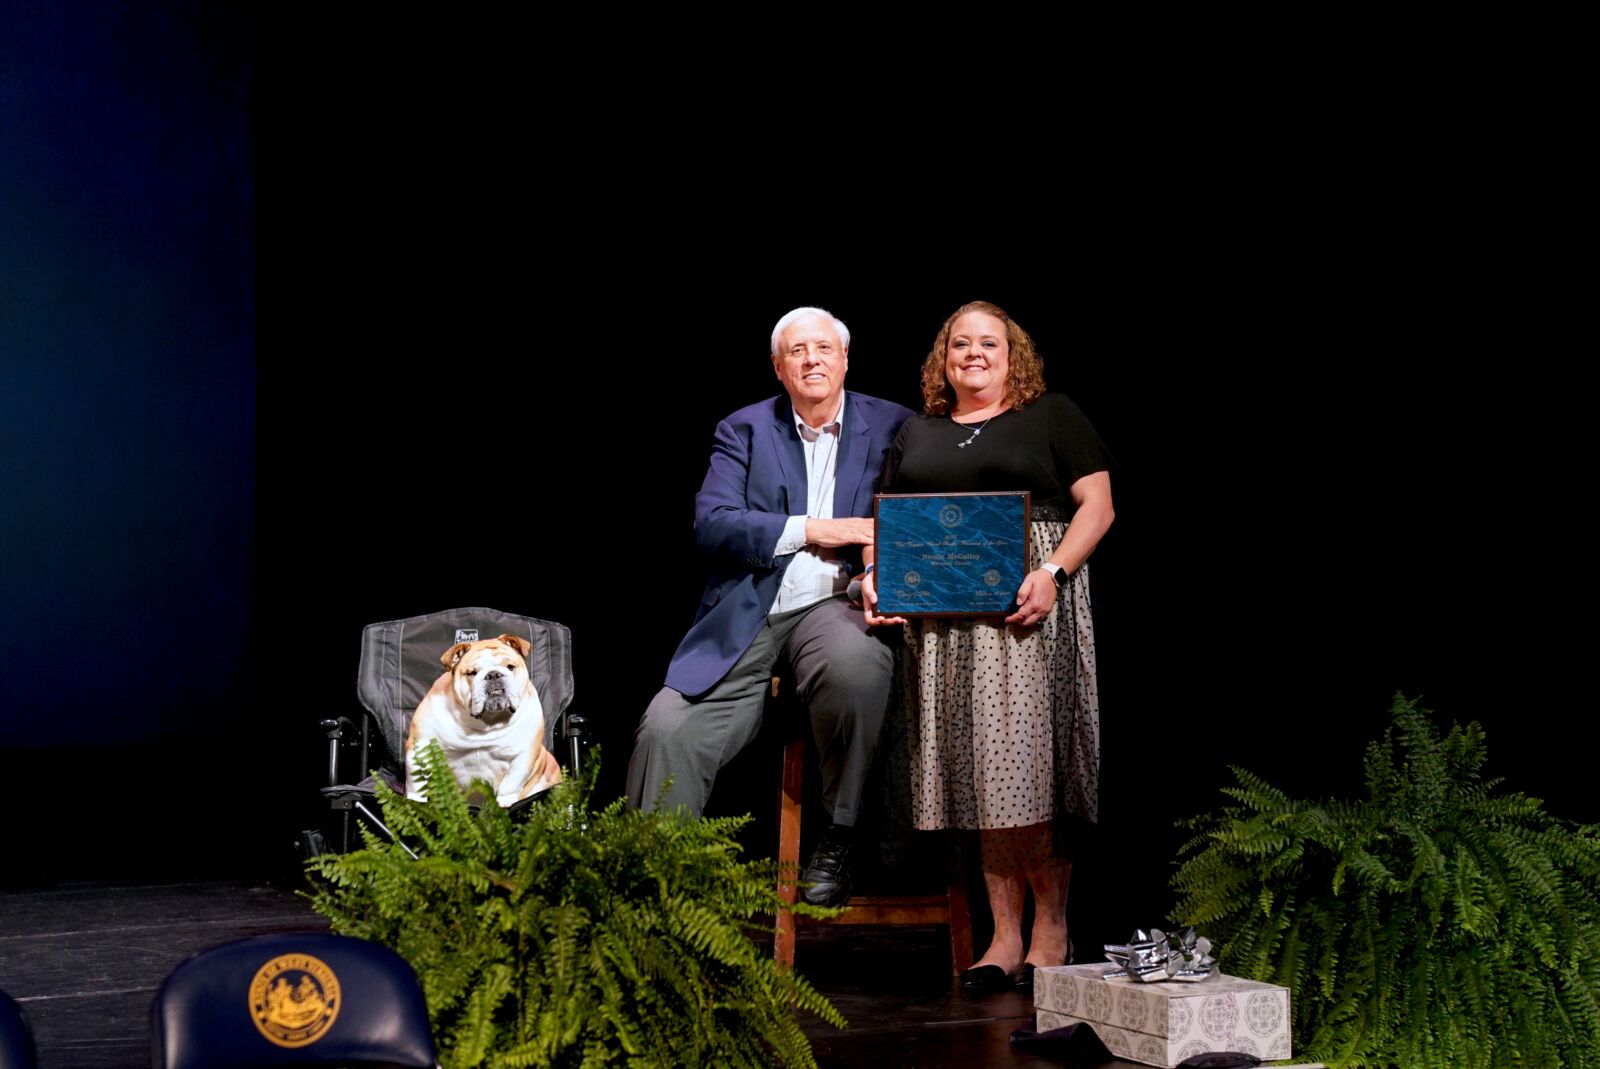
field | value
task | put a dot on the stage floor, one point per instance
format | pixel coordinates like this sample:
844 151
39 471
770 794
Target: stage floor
84 961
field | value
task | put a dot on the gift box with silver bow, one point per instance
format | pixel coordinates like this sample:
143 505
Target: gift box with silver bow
1164 1023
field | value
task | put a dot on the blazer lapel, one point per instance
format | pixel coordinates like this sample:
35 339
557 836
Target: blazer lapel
791 457
854 447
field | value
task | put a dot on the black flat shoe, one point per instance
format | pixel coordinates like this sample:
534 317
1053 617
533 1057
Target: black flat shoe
1023 979
985 978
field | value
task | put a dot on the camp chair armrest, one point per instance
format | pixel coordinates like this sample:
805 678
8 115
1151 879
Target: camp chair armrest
337 729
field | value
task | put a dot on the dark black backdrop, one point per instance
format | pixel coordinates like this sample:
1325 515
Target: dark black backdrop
426 334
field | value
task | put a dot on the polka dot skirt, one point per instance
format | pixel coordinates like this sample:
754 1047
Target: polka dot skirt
1005 723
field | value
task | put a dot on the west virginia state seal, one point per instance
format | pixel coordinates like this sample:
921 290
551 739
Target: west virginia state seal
294 1000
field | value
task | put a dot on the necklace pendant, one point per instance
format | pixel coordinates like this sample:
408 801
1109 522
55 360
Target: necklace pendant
975 432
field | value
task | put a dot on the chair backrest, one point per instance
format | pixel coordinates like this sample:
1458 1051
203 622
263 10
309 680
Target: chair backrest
400 661
303 999
16 1039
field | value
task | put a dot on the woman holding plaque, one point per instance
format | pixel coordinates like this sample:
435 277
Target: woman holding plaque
1004 713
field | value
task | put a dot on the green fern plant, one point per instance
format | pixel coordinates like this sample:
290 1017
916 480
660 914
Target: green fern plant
575 937
1434 923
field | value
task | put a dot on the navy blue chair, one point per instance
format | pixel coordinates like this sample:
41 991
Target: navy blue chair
16 1038
292 1000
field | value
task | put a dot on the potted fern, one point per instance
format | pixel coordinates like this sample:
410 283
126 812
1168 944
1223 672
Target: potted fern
1435 922
571 937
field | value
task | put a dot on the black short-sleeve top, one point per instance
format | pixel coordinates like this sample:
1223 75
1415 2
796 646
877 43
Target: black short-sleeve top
1043 448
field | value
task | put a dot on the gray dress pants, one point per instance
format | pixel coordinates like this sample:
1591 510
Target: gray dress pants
841 673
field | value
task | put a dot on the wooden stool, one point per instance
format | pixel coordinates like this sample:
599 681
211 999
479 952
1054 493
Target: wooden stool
949 909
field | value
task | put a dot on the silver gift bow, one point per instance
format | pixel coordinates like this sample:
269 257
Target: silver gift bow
1155 955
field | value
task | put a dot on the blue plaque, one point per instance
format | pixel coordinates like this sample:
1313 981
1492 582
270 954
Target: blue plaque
950 554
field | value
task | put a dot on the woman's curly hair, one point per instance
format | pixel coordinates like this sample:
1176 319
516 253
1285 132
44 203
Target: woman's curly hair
1024 383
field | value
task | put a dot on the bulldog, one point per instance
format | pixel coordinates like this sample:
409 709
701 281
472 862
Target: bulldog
485 714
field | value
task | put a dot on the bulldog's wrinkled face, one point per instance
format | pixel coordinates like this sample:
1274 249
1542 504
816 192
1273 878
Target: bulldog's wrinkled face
490 678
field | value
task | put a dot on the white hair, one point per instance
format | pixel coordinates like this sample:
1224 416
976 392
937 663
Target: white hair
821 313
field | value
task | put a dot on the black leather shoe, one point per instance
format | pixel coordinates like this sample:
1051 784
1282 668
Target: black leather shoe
1023 980
985 978
828 871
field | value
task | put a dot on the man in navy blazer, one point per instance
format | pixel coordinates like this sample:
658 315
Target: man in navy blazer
780 519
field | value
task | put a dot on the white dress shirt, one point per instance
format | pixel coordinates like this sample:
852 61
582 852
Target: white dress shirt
816 573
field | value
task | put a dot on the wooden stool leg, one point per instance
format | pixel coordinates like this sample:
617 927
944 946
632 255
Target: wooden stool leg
794 757
960 925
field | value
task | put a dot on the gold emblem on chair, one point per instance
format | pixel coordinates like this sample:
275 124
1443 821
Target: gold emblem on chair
294 1000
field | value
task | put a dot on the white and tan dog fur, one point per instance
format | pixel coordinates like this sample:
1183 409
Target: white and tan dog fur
486 716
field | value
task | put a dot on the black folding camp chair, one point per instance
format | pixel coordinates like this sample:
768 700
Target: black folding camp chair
399 662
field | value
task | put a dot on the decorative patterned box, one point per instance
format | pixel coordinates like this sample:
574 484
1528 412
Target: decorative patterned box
1164 1023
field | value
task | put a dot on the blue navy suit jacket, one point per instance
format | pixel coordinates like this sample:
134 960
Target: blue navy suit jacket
757 480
